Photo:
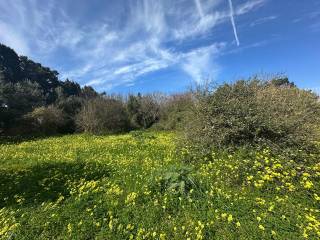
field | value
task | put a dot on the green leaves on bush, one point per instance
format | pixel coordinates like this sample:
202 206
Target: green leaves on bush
254 112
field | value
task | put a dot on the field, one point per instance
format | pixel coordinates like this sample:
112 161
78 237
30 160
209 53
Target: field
137 186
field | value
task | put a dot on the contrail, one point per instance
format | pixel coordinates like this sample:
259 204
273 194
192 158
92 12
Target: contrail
199 8
233 23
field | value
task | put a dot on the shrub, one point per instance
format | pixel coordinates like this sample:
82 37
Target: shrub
103 115
46 120
144 110
174 112
253 112
70 106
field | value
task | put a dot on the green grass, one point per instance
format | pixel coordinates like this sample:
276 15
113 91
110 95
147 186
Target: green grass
136 186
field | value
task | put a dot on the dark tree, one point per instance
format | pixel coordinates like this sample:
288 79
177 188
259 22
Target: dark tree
282 82
9 64
71 88
26 85
88 92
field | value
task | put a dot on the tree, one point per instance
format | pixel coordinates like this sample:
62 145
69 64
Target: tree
103 115
150 111
143 110
20 68
1 76
71 88
174 111
282 82
17 99
46 120
133 107
44 76
2 104
88 92
9 64
70 106
26 85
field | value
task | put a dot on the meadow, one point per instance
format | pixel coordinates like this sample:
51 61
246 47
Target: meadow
138 186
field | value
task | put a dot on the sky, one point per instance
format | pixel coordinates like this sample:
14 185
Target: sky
166 45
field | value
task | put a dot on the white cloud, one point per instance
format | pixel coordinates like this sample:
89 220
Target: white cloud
12 38
199 63
121 45
263 20
249 6
199 8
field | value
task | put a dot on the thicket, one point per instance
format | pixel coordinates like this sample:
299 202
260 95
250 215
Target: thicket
103 115
175 111
251 112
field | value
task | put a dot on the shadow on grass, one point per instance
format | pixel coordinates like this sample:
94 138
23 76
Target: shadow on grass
45 182
25 138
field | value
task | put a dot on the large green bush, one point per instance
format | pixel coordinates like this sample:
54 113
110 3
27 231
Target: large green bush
253 112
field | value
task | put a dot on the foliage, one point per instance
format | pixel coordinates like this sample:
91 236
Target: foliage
143 110
70 106
19 68
17 99
46 120
174 112
103 115
9 64
178 180
88 93
109 187
26 85
282 82
253 113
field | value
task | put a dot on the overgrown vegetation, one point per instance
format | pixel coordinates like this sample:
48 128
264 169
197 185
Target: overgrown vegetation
103 115
254 113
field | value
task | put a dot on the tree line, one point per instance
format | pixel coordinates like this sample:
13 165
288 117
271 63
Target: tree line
34 101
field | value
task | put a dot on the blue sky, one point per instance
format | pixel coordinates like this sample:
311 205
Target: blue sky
166 45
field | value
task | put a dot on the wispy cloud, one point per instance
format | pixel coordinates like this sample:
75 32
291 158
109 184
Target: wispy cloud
199 8
311 18
249 6
124 43
198 65
315 18
263 20
233 23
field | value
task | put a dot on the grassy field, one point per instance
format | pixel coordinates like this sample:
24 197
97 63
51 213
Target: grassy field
135 186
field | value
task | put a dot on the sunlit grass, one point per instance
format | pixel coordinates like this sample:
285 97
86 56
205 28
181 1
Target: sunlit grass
134 186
